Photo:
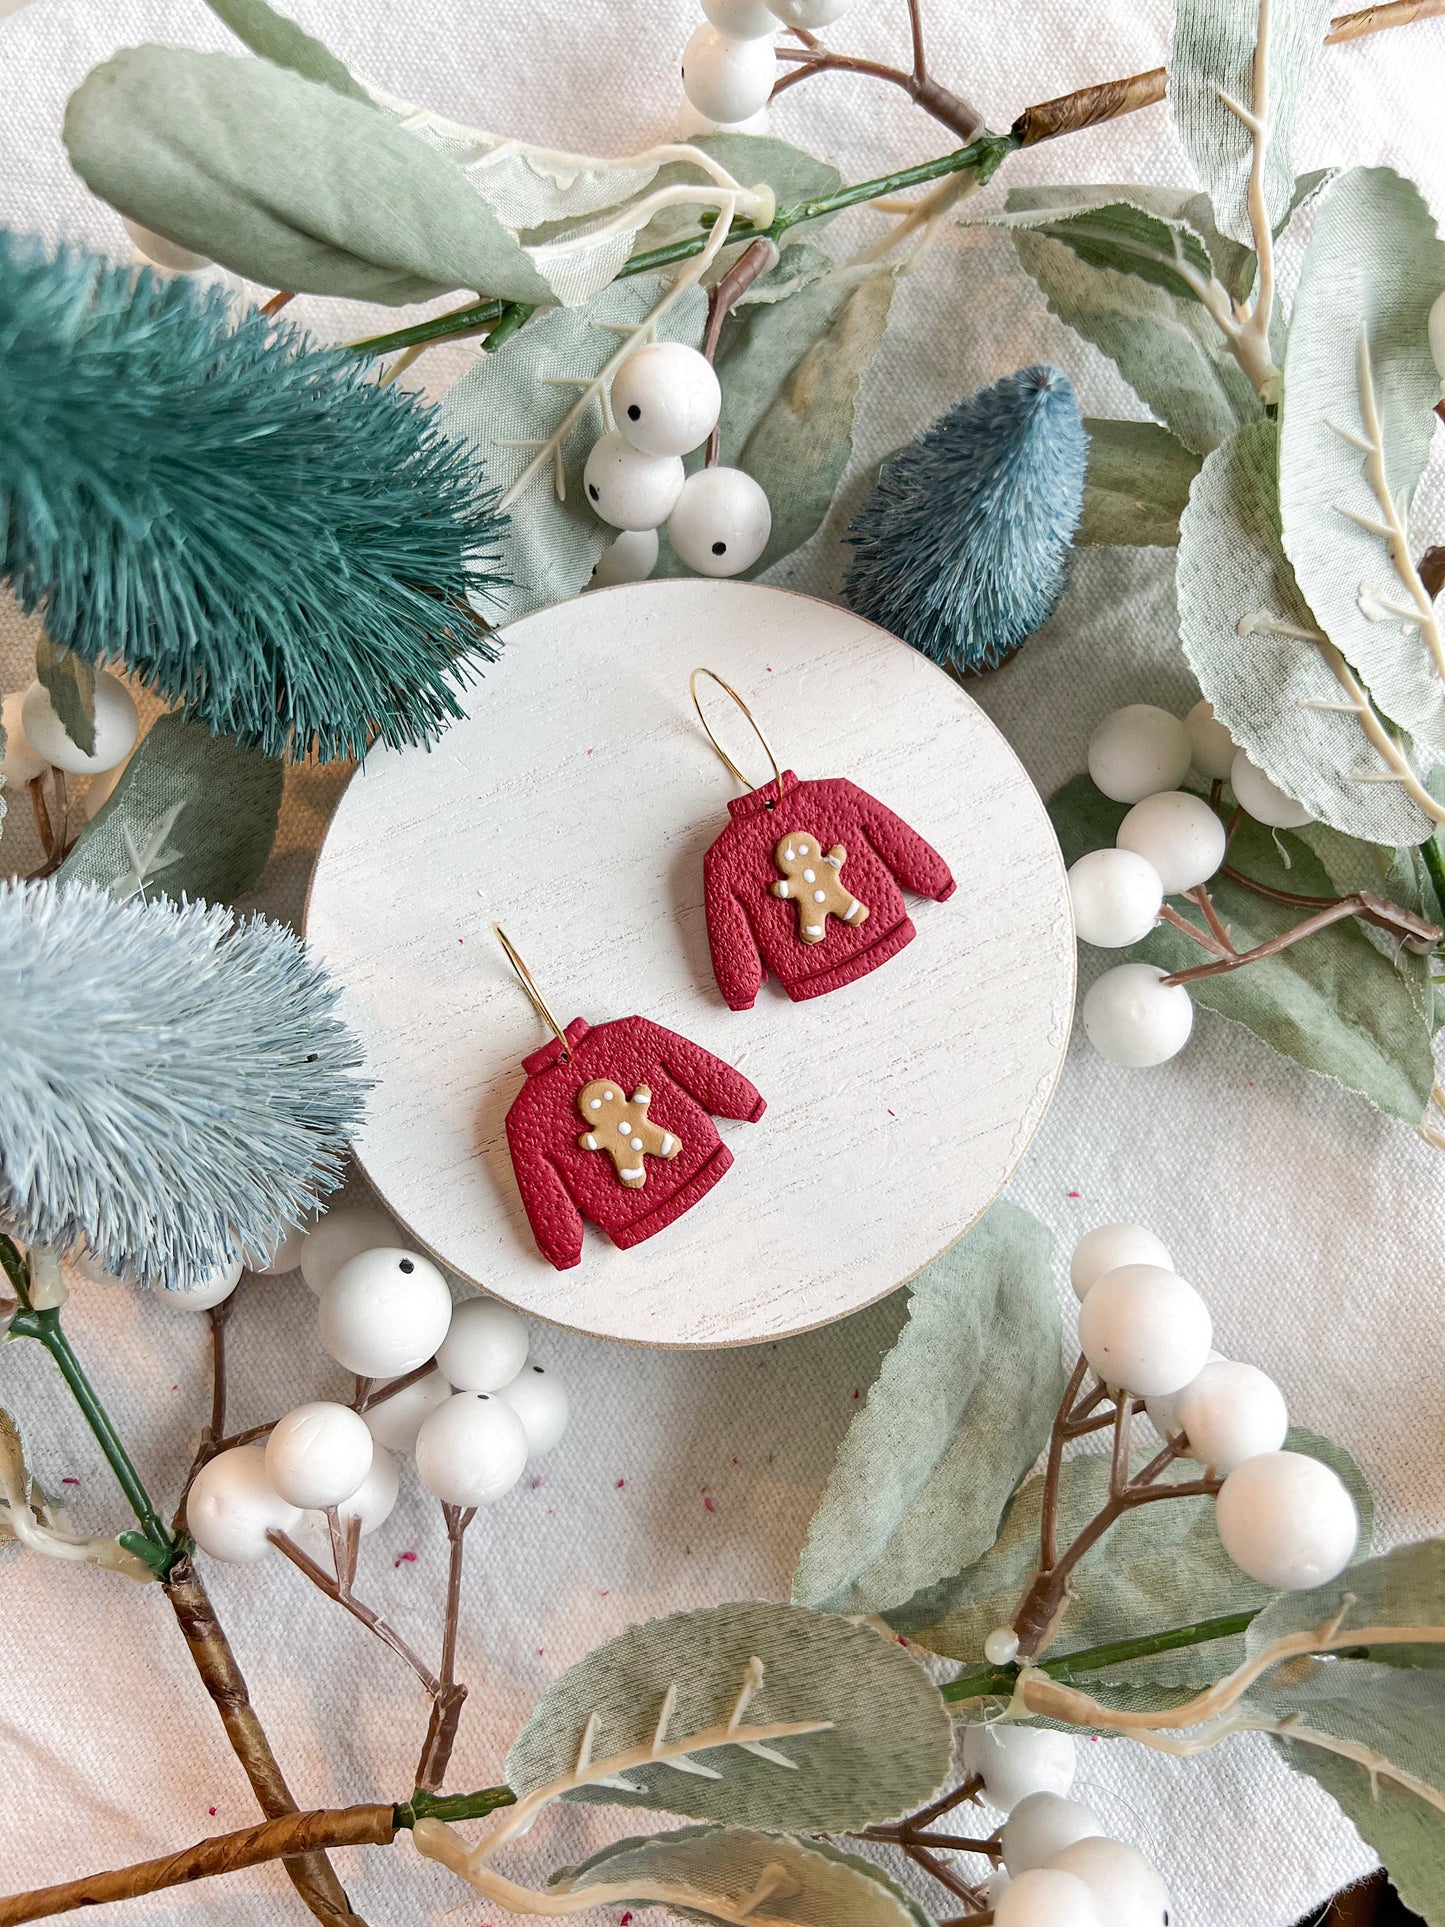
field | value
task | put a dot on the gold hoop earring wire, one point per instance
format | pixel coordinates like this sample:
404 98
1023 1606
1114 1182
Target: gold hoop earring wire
756 727
529 984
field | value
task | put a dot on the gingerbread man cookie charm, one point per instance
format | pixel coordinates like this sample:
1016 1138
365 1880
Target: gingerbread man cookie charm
621 1127
813 881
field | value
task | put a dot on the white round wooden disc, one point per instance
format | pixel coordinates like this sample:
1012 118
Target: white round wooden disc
573 807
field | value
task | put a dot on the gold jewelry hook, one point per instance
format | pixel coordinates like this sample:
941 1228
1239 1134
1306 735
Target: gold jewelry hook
728 689
529 984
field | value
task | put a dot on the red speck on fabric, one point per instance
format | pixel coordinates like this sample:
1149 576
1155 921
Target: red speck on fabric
211 1811
604 1592
734 1461
890 1113
620 1482
707 1504
540 1651
70 1481
1076 1194
406 1559
539 1481
856 1392
626 1920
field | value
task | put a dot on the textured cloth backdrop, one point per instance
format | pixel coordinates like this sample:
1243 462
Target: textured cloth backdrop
1313 1225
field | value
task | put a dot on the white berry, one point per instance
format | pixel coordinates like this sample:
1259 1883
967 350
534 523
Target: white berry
1044 1897
1437 336
1015 1761
1287 1520
727 79
1042 1825
373 1501
232 1505
539 1399
1116 896
1210 744
1136 751
318 1454
116 724
485 1346
811 14
1263 800
1163 1408
1178 835
721 523
1001 1647
1129 1891
1145 1330
666 398
741 19
160 252
283 1252
212 1290
1231 1412
471 1450
23 762
1132 1017
342 1233
629 489
631 556
395 1421
384 1313
1107 1247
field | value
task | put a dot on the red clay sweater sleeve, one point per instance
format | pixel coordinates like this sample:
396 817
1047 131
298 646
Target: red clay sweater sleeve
714 1084
735 961
555 1220
916 864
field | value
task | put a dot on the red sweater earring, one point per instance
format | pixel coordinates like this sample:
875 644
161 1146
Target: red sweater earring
614 1124
804 881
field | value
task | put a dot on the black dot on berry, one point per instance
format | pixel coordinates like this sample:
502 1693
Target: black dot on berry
592 490
538 1370
634 413
406 1265
483 1397
719 548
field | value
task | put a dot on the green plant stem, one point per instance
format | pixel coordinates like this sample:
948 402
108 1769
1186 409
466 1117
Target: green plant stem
45 1328
983 154
453 1806
1435 863
998 1682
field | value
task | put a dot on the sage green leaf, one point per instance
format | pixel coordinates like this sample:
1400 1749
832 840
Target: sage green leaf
721 1873
1403 1587
1246 630
1167 349
803 441
1212 52
1360 388
799 265
1332 1002
1400 875
755 160
277 39
1136 486
285 180
882 1744
70 685
960 1410
1128 230
192 814
1160 1567
553 541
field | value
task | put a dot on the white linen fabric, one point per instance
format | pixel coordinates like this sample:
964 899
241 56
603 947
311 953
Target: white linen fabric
1313 1225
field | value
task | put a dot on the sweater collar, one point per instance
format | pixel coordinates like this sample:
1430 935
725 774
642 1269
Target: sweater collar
551 1051
765 798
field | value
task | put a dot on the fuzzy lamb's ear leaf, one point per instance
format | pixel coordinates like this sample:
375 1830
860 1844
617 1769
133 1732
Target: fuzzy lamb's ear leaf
1247 630
554 539
1160 1566
1128 230
70 684
803 440
193 814
767 1876
773 1716
1360 390
958 1413
285 180
1167 349
1336 1005
1213 53
281 41
1136 486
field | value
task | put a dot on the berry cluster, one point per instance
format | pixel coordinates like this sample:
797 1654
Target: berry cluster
729 67
666 401
1170 843
472 1421
36 740
1059 1868
1284 1518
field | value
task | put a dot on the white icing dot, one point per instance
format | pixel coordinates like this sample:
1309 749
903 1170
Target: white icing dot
637 1144
788 854
820 896
783 889
595 1105
810 876
802 849
624 1127
609 1095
